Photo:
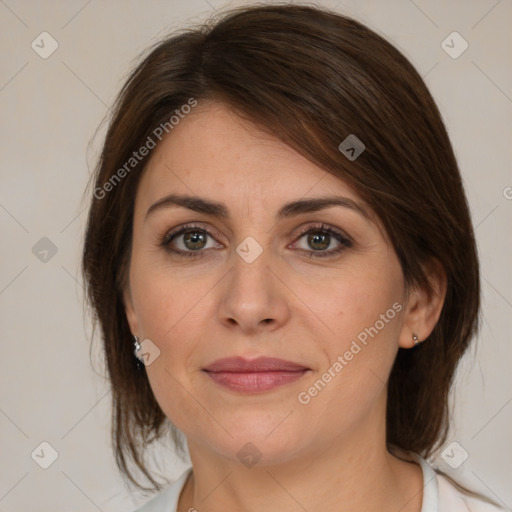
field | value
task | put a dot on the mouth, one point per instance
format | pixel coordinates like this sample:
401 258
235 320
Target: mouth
256 375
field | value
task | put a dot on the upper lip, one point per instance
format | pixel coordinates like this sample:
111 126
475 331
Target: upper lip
260 364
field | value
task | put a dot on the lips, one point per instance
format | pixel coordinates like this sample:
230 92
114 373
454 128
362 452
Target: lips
261 364
256 375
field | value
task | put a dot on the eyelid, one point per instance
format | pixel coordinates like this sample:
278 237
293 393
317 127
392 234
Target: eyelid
322 226
210 231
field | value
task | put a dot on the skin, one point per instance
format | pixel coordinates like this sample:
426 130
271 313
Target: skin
330 453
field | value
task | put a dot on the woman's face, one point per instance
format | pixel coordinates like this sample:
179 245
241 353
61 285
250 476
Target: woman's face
254 268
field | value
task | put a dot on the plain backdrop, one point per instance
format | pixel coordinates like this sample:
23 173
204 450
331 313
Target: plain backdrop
50 110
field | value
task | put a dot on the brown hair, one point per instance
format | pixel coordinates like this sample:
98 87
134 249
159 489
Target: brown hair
310 77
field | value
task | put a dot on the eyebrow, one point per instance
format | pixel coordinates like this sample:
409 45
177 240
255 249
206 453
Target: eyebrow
220 210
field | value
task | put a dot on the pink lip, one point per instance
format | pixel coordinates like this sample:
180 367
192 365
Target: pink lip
256 375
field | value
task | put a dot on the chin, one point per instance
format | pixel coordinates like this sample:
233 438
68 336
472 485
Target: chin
251 451
259 437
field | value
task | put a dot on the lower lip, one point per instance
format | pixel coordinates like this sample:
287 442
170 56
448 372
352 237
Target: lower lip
255 382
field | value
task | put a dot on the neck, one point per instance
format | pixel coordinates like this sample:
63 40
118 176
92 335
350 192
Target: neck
350 473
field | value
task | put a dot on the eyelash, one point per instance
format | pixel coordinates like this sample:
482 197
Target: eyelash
320 228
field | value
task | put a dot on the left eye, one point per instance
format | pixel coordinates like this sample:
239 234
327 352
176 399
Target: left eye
318 240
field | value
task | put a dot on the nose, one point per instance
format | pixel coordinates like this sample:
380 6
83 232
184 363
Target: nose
254 298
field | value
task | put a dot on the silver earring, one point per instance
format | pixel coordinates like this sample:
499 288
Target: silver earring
137 347
415 339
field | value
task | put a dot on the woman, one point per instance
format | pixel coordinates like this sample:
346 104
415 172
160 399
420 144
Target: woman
280 233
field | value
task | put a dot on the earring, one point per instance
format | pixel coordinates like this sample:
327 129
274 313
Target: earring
415 339
137 347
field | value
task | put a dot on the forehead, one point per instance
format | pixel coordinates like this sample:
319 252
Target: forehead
213 152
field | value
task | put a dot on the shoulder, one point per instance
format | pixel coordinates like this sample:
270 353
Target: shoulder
452 499
167 500
441 495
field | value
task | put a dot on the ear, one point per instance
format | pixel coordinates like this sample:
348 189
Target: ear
424 306
129 310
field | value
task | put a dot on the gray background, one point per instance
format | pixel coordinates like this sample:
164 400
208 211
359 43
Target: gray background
50 110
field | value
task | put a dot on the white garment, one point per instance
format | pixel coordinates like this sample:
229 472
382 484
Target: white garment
439 495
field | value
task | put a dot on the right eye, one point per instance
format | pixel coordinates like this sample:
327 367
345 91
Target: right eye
189 240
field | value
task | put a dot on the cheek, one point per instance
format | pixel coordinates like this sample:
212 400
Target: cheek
353 299
172 308
166 298
166 313
361 318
